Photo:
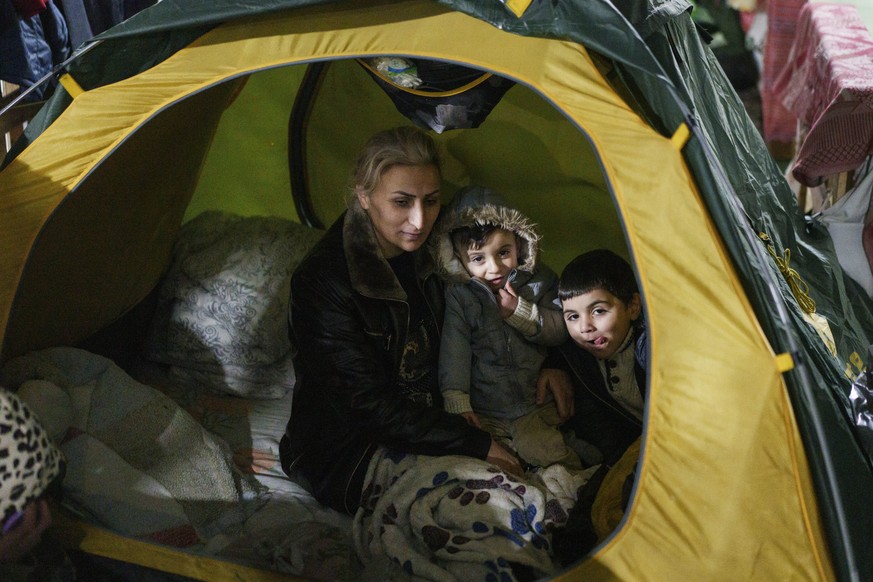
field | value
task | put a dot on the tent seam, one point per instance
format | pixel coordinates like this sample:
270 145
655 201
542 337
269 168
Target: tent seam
787 416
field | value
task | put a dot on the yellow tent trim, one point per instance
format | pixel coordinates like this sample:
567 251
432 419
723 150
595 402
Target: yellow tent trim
74 533
808 510
680 137
784 362
518 7
70 84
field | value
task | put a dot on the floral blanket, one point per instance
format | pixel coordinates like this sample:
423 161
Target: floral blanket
458 518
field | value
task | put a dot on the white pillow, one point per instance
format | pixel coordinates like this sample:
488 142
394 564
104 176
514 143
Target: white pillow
221 320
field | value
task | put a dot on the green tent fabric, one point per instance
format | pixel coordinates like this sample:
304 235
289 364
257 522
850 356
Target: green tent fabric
658 63
757 200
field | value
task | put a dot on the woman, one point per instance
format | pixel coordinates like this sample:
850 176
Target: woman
366 310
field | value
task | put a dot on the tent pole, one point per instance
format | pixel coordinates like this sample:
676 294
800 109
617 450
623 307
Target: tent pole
297 126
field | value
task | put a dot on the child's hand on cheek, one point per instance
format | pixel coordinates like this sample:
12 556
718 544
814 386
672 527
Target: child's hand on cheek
507 300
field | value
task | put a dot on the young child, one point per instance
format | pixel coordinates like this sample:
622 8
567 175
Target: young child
502 312
606 356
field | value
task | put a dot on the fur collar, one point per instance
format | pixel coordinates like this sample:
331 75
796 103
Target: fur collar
369 271
475 204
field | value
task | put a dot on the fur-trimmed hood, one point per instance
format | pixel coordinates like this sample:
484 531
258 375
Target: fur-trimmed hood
478 205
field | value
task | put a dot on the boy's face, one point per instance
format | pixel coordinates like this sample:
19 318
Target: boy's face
494 260
598 321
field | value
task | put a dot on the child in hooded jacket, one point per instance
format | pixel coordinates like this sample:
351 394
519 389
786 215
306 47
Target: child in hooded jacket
502 313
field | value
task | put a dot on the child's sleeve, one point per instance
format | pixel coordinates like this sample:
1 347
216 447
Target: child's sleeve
525 318
553 332
542 320
456 356
456 402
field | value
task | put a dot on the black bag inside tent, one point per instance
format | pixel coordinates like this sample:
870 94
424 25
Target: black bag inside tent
444 96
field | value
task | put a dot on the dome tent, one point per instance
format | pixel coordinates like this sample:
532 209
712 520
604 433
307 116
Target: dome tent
621 130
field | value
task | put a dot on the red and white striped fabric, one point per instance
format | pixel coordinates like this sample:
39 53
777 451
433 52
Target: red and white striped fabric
828 84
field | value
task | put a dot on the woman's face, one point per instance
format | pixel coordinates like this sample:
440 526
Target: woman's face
403 207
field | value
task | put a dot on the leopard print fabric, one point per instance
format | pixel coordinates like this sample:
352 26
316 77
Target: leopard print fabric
29 461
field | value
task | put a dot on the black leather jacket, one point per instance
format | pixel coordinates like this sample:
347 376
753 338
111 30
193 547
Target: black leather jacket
349 318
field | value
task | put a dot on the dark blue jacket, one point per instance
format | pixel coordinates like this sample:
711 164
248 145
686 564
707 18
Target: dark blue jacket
31 47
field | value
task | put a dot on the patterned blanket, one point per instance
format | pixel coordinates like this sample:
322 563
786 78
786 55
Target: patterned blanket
458 518
137 463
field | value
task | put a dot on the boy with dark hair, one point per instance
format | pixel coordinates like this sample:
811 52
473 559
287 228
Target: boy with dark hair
606 357
606 361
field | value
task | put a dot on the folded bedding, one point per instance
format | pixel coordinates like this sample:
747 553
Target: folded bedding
181 466
292 533
136 461
251 427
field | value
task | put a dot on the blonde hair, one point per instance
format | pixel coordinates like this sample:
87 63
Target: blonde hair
404 146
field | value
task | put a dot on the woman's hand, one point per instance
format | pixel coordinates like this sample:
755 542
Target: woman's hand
557 382
472 419
498 455
19 540
507 300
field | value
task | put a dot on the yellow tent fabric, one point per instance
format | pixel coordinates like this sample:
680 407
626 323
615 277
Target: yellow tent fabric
87 214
